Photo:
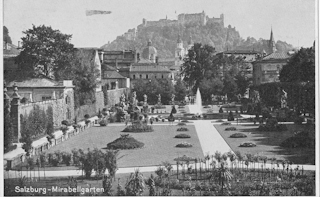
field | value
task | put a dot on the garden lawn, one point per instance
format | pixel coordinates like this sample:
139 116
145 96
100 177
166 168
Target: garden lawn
268 143
159 145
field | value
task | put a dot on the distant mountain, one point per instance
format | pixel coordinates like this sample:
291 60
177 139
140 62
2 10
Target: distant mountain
164 34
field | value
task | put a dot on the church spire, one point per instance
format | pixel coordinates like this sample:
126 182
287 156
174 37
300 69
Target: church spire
272 43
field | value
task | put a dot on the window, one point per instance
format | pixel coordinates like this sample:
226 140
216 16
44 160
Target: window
140 76
147 77
162 76
45 98
134 76
155 76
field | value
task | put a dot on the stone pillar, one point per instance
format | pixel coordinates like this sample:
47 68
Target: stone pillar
15 115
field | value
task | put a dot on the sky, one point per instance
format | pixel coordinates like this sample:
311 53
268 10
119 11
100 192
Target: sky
292 21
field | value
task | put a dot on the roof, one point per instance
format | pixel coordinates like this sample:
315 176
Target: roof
10 50
241 52
37 83
144 61
148 68
113 75
149 50
108 67
277 55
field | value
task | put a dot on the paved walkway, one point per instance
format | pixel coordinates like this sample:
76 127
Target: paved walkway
210 139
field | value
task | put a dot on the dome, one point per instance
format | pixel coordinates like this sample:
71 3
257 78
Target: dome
149 52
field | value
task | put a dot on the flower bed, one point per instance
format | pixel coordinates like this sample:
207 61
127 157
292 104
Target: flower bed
181 124
238 135
299 140
226 123
182 129
184 145
230 129
182 136
103 122
248 144
125 142
138 128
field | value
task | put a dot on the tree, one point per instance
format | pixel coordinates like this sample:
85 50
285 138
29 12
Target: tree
229 87
242 83
197 63
45 51
8 130
180 90
84 73
300 68
210 86
300 72
6 37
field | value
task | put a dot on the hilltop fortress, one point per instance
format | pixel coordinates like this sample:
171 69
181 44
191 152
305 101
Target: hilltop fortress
183 19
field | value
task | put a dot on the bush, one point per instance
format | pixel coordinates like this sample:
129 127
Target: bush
65 122
248 144
112 118
219 120
103 122
86 116
138 127
230 129
272 125
186 121
184 145
182 129
181 124
125 142
64 129
226 123
220 110
182 136
88 122
230 116
66 158
238 135
299 140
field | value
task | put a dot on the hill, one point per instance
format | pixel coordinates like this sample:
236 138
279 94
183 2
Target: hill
164 34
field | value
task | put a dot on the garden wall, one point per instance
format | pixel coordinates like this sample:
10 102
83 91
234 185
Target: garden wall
99 101
85 109
113 96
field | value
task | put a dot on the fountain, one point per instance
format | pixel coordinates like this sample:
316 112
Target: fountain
198 99
196 108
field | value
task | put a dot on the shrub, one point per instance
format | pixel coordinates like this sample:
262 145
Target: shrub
181 124
220 110
219 120
272 125
182 129
247 144
182 135
86 116
184 145
88 122
125 142
226 123
66 158
138 127
112 118
65 122
238 135
299 140
230 116
64 129
230 129
103 122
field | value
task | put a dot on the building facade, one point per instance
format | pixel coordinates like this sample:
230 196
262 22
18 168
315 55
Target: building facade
267 69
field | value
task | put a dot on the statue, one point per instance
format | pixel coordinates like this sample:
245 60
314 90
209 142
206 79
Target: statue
134 99
186 99
122 100
159 99
145 98
172 98
284 99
